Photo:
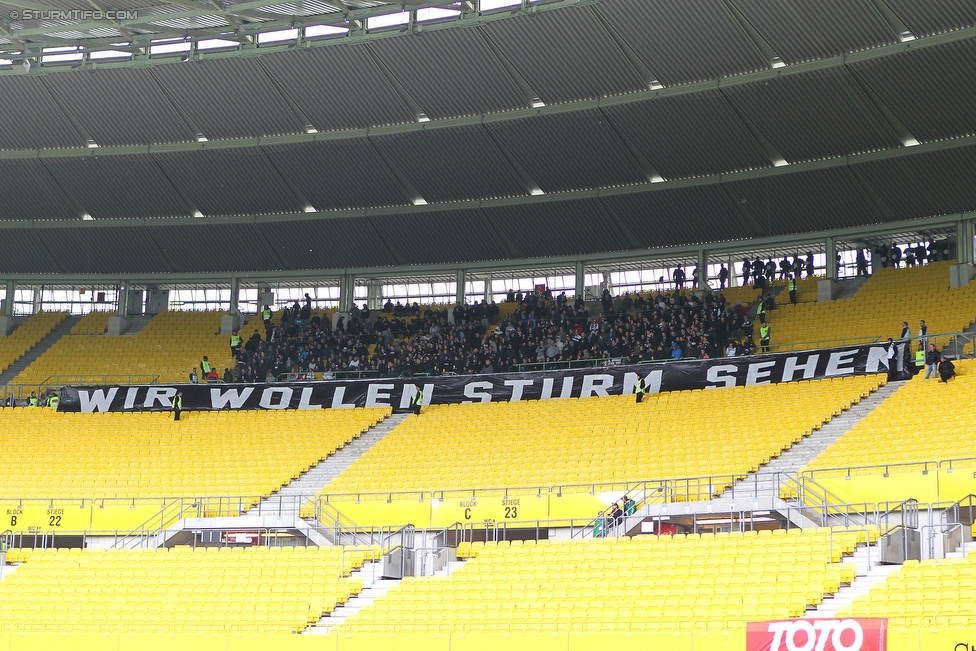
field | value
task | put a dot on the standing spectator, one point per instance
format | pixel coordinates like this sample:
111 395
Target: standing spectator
891 355
679 278
675 351
228 376
212 377
723 277
177 405
810 266
904 351
862 263
923 333
194 378
931 362
599 525
792 289
746 267
946 369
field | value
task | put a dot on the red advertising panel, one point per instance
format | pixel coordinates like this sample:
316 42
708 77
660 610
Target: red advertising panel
818 635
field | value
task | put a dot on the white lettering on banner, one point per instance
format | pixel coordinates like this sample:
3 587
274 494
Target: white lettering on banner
98 400
595 384
283 398
547 388
793 365
722 374
407 396
479 390
877 356
305 402
652 382
517 387
164 396
840 363
816 633
233 398
567 390
337 397
757 372
377 391
130 398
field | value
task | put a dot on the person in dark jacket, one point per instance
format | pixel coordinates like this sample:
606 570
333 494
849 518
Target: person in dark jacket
931 362
946 369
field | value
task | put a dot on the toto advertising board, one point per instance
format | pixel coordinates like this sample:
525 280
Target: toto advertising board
505 387
818 635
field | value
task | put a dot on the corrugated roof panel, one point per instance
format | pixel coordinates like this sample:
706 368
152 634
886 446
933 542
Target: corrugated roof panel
684 41
29 119
325 243
930 90
442 237
689 135
21 251
569 151
104 250
338 87
118 186
923 185
452 164
681 216
565 55
214 248
560 228
814 115
806 30
28 192
229 181
229 98
807 201
106 102
930 18
450 73
335 174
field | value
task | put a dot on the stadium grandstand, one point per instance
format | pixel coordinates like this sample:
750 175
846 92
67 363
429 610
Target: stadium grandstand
456 325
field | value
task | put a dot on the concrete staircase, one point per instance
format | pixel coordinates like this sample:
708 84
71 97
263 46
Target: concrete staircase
374 587
869 572
763 483
135 324
849 286
311 482
59 331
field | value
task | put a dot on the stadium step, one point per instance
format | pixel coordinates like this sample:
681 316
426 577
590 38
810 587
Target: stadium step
763 483
374 587
869 572
28 358
7 570
312 481
135 324
849 286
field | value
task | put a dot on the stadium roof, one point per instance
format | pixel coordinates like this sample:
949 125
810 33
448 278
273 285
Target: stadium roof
235 137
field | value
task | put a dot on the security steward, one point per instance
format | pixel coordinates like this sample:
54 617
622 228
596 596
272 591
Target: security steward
32 400
418 400
764 338
639 389
177 405
205 366
235 344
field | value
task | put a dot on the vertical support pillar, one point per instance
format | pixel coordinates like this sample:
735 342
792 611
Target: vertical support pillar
964 242
374 296
462 279
703 270
489 296
827 288
123 298
607 283
38 293
8 302
235 294
830 246
734 278
7 314
580 279
347 292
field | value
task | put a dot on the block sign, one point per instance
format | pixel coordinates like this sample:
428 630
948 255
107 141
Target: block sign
818 635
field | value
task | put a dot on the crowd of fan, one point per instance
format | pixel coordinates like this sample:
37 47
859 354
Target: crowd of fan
410 340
